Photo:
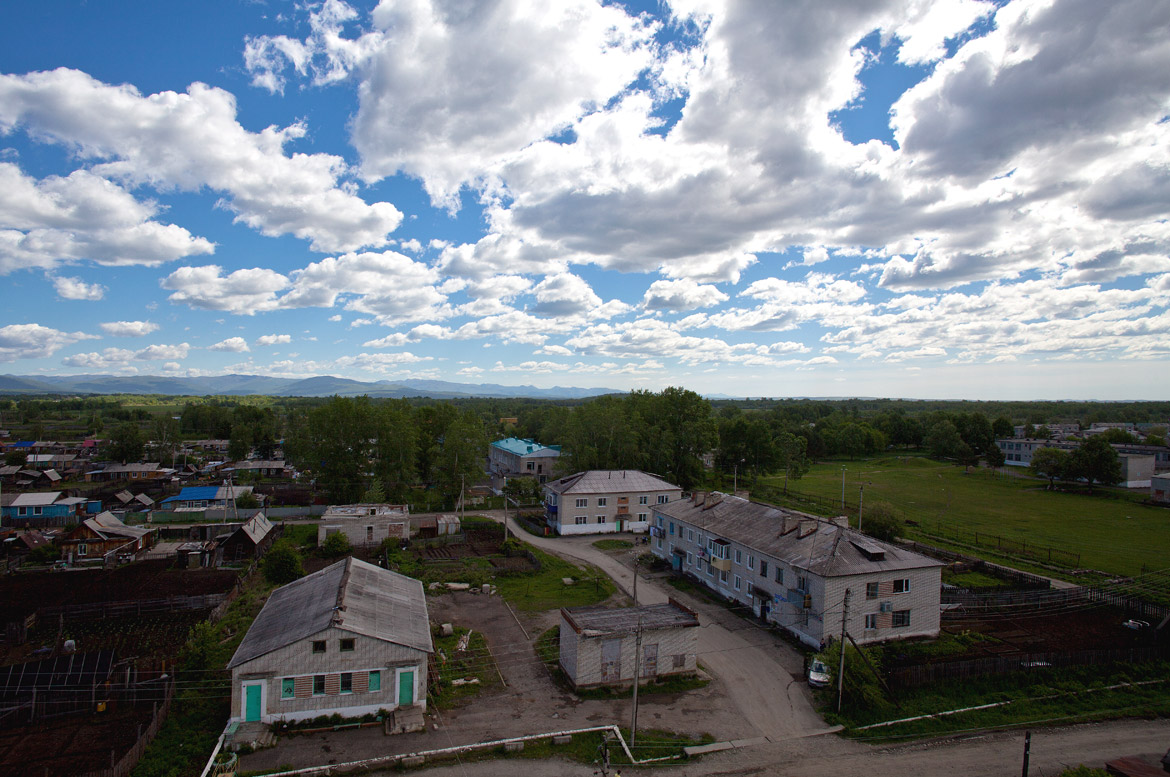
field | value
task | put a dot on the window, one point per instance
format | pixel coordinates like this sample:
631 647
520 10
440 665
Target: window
871 621
347 682
581 520
691 535
375 680
601 519
663 498
901 618
749 588
369 534
318 685
738 583
779 575
582 502
751 561
738 556
672 528
346 646
643 500
659 541
288 688
802 582
902 586
763 568
710 570
602 501
318 646
723 576
689 561
871 590
531 466
680 661
82 549
642 516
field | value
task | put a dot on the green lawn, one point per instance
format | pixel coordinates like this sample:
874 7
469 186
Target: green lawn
1111 531
613 544
545 590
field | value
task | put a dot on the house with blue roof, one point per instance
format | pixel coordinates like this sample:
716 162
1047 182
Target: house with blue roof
516 457
205 497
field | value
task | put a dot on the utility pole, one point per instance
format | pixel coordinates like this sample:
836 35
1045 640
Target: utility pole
860 506
842 487
1027 751
603 750
841 668
637 674
635 578
462 509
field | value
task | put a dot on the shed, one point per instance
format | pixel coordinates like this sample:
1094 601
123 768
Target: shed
597 644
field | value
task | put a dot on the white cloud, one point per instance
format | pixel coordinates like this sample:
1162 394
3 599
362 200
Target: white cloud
389 286
244 292
33 341
128 328
192 140
60 220
681 295
75 288
152 352
232 345
335 317
266 340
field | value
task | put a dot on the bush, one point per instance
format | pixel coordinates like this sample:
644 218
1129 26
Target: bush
880 522
335 545
282 563
247 501
44 554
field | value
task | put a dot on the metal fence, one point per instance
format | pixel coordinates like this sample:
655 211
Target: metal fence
927 674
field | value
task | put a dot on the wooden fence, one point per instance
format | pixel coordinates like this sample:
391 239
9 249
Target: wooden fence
72 612
927 674
127 763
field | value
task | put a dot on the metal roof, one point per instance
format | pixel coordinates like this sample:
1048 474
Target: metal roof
257 528
602 621
107 525
36 499
195 494
801 540
610 481
350 595
525 447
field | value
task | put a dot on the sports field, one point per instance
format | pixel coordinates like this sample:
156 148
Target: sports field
1110 530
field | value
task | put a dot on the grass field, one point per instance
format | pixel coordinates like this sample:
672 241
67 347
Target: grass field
544 590
1110 530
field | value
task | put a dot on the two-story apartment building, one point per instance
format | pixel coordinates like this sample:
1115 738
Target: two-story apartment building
605 501
798 571
515 457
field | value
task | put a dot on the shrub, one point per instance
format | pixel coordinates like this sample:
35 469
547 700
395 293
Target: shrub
335 545
282 563
880 522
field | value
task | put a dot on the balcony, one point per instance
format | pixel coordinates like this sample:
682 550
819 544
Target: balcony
551 509
722 564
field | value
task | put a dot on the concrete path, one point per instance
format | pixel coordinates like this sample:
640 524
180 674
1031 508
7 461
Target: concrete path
761 673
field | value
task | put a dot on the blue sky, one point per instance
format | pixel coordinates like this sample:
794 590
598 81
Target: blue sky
920 199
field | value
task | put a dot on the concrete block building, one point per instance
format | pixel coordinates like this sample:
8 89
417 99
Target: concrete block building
365 524
606 500
598 644
794 569
350 639
516 457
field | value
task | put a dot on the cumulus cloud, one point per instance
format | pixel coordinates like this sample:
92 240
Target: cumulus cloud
231 344
82 216
681 295
33 341
75 288
267 340
244 292
193 140
128 328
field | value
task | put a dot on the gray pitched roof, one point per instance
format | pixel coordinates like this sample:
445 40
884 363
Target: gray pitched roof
801 540
350 595
610 481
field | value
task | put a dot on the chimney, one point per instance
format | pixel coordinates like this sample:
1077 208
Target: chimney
807 528
790 524
698 497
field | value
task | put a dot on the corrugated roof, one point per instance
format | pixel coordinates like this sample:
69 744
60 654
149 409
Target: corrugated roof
195 494
36 499
525 447
257 528
610 481
107 525
799 539
373 602
600 621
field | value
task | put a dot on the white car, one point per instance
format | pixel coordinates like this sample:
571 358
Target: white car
818 674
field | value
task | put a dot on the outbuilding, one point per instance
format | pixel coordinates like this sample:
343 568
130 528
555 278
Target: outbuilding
599 645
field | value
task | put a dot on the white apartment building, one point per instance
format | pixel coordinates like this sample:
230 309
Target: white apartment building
794 569
605 501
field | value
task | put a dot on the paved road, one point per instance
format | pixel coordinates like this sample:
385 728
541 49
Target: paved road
761 674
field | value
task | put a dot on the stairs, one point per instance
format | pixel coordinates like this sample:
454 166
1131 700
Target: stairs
404 720
254 735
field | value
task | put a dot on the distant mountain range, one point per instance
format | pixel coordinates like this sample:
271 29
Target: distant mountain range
240 385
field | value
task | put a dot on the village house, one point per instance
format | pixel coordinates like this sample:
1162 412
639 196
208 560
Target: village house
1160 488
598 644
351 639
365 524
515 457
102 534
604 501
795 570
39 509
265 468
132 472
249 541
192 498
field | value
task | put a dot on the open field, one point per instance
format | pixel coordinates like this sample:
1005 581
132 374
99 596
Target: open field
1111 532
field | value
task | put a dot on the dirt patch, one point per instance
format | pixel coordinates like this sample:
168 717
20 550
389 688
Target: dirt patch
1058 629
72 746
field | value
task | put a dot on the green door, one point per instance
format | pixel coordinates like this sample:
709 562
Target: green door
252 702
406 688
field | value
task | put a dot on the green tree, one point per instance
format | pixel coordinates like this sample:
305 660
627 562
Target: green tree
1120 436
247 501
126 443
165 432
333 441
395 435
462 454
1050 463
282 563
240 445
793 460
1095 461
1003 428
995 457
966 455
880 522
683 430
942 440
335 546
375 494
